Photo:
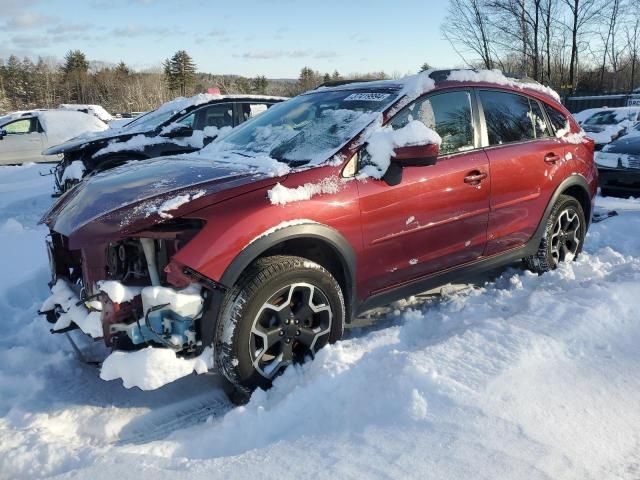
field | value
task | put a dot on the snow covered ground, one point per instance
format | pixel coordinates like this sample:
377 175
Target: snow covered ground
515 376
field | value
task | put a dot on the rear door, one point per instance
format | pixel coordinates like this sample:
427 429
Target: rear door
23 141
527 165
435 218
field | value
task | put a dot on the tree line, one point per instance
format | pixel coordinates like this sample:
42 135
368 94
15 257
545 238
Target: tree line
46 83
584 46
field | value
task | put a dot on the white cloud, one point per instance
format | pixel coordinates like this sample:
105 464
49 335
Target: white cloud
27 20
269 54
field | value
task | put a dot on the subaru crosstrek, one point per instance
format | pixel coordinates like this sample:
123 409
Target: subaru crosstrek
259 249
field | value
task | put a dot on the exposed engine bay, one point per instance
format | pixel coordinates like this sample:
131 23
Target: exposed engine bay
132 306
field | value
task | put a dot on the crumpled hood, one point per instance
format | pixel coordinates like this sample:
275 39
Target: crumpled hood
140 194
102 137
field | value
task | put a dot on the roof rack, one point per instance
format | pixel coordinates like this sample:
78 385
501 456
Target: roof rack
337 83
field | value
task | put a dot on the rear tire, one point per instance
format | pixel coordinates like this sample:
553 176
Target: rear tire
282 311
563 236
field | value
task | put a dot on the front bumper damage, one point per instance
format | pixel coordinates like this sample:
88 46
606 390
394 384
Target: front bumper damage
142 304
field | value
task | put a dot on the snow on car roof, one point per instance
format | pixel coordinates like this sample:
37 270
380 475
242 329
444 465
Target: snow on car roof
97 110
182 103
414 85
61 125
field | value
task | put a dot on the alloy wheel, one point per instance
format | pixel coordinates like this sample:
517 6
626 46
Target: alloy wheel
292 325
565 239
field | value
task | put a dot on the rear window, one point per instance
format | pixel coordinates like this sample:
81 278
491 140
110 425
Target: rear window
508 117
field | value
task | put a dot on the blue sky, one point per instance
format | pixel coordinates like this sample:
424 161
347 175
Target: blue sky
248 37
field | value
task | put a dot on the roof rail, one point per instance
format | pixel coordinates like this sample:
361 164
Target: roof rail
337 83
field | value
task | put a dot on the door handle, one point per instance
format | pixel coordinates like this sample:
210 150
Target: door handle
551 158
475 177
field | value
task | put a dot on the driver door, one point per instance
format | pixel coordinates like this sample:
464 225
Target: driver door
435 218
22 143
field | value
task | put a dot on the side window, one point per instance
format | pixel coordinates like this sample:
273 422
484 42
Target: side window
538 119
250 110
449 114
218 115
508 117
24 125
557 119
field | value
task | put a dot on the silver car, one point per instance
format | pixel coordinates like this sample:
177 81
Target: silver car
24 135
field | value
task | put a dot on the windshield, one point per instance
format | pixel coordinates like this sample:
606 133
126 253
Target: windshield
602 118
309 128
149 121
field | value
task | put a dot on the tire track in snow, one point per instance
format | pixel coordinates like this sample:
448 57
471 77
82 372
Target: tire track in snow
161 422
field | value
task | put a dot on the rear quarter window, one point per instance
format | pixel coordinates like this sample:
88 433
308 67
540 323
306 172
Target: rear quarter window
557 119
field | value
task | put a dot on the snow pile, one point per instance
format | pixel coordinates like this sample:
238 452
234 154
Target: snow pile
152 368
381 142
187 302
74 171
497 77
62 125
175 203
66 301
281 195
117 292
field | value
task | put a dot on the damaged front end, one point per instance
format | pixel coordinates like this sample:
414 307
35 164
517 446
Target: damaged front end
125 292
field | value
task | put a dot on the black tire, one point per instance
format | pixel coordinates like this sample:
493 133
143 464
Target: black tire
249 321
563 238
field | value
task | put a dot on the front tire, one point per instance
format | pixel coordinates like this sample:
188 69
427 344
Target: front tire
563 236
282 311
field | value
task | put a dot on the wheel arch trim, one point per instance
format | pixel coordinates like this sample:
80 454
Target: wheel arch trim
311 230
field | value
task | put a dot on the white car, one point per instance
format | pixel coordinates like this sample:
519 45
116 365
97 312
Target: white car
605 125
24 135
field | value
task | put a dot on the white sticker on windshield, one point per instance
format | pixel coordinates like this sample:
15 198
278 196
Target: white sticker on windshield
367 97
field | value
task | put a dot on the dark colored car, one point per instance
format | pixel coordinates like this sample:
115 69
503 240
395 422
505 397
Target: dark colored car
619 165
329 204
182 125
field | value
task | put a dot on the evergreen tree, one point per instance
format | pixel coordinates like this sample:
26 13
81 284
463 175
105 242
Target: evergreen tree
336 75
180 72
425 66
260 84
75 62
308 79
75 70
121 69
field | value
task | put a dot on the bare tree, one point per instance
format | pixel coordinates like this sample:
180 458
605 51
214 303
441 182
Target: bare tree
582 12
466 27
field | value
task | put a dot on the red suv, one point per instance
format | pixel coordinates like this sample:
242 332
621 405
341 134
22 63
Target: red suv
265 244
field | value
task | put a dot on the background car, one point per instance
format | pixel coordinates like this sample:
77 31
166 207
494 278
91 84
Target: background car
24 135
619 165
180 126
605 125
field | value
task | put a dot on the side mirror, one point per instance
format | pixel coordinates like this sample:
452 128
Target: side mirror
178 132
410 156
416 155
3 133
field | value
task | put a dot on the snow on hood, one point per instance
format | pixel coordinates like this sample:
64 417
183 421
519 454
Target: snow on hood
143 193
